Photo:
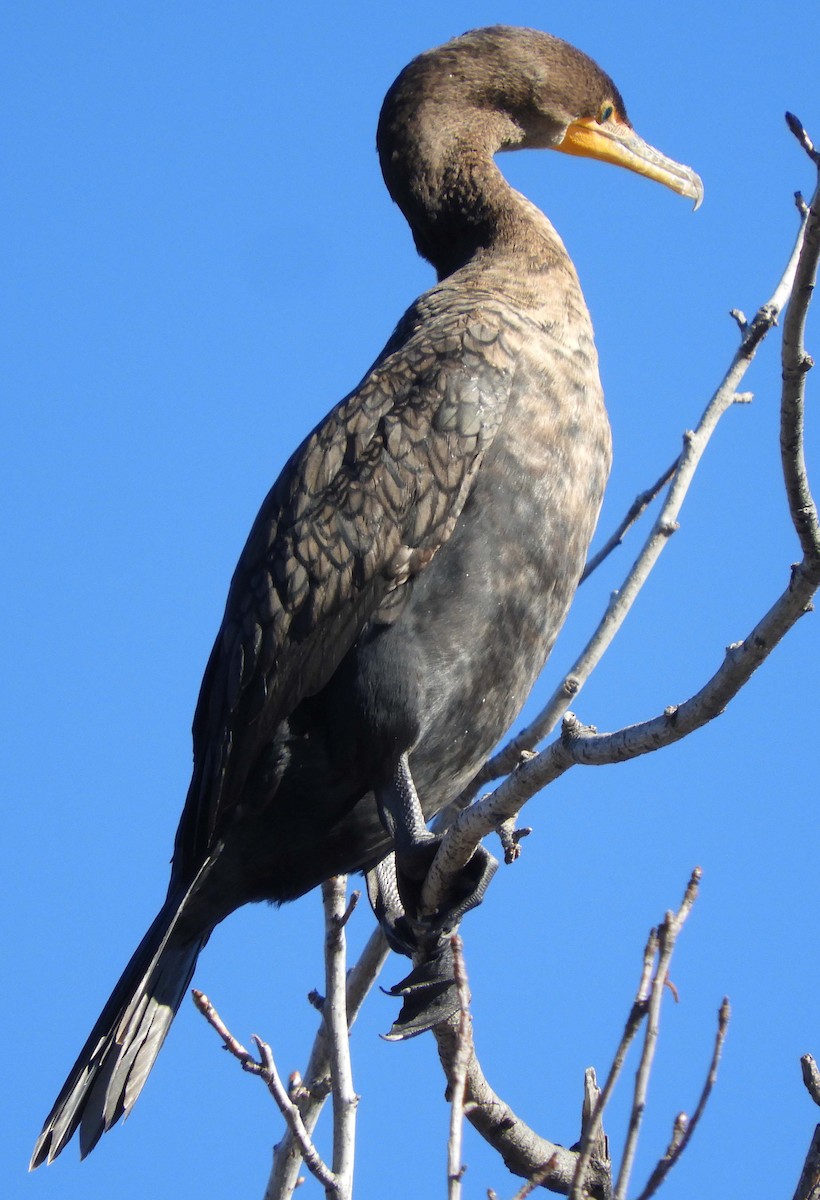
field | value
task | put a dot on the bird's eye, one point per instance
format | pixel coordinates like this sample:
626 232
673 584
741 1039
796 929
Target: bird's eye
605 112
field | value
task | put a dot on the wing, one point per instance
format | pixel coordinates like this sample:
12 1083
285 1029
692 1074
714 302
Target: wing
361 508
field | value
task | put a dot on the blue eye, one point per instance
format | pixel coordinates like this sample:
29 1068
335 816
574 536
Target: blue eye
606 112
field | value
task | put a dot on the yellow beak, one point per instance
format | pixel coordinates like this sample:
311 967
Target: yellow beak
616 142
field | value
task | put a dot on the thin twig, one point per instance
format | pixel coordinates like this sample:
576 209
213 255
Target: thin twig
232 1044
511 838
668 932
685 1126
590 1131
355 897
636 509
458 1078
266 1070
287 1157
345 1100
796 365
646 1004
312 1159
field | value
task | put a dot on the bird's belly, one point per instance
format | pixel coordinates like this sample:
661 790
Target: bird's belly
488 610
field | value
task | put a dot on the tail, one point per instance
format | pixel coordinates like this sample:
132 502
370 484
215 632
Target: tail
115 1061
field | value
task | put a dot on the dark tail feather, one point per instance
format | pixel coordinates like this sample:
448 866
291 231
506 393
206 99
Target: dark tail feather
115 1061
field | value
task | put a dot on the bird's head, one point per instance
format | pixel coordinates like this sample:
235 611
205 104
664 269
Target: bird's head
516 88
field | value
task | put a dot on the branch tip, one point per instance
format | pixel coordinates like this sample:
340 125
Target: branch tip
798 129
510 838
692 887
811 1077
673 989
341 921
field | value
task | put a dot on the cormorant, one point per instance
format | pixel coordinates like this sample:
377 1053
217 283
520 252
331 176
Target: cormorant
408 572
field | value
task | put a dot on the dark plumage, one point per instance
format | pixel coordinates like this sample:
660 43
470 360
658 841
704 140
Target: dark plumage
407 574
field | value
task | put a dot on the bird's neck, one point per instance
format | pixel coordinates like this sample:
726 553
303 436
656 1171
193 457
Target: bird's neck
456 201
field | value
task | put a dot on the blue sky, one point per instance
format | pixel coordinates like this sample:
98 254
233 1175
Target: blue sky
202 260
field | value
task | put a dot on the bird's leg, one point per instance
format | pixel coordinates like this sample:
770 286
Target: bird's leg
429 992
415 848
414 845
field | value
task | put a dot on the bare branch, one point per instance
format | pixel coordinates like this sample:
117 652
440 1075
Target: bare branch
668 932
458 1078
345 1100
636 509
811 1077
266 1070
796 365
232 1044
355 897
330 1053
287 1156
803 138
684 1127
808 1186
511 839
312 1159
523 1151
592 1126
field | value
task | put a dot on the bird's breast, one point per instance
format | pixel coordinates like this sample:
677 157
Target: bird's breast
482 619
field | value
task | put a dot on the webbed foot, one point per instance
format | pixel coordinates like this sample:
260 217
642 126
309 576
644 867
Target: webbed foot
429 992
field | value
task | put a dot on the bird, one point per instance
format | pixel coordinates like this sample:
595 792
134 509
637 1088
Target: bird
408 572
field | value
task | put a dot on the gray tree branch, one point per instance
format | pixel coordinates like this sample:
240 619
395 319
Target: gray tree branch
811 1077
315 1084
685 1126
345 1100
808 1186
458 1079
